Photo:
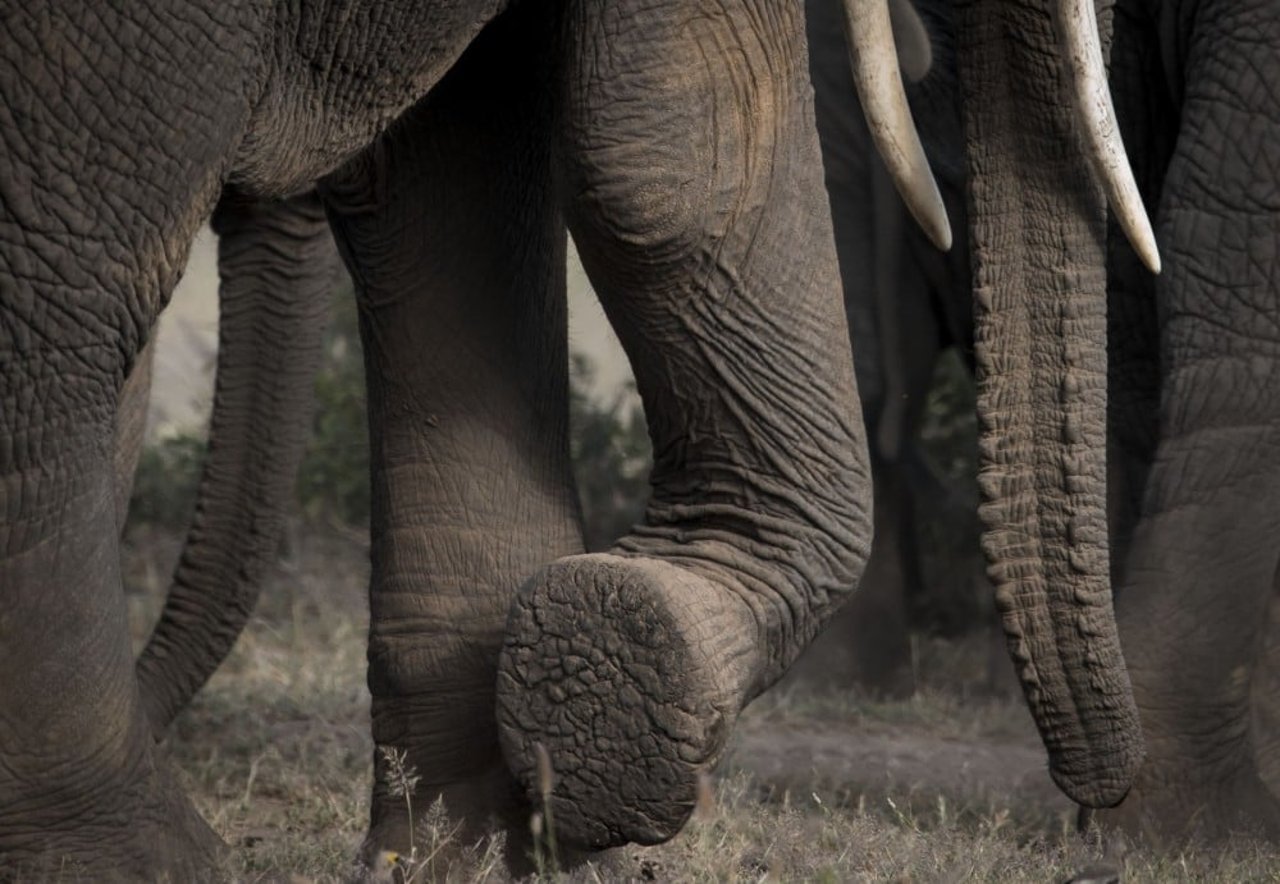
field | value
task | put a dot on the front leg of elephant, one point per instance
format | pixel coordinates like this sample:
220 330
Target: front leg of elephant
456 248
696 200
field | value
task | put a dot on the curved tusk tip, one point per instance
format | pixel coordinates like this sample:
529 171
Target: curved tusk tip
1143 241
1136 225
938 229
943 239
1150 257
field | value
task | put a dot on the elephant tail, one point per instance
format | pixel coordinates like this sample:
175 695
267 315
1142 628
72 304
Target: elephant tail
277 265
1039 240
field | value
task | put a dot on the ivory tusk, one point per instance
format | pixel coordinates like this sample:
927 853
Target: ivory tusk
876 75
1078 26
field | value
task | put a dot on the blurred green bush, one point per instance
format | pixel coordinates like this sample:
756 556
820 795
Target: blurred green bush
333 480
164 487
611 454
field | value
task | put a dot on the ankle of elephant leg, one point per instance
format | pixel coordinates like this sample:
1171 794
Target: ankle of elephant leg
74 774
763 616
445 736
439 776
118 815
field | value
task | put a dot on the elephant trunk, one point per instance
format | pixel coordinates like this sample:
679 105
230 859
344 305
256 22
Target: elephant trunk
1038 240
277 265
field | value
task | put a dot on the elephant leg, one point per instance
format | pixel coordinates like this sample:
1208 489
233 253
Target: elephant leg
697 205
1265 724
81 791
277 266
456 246
1198 579
114 145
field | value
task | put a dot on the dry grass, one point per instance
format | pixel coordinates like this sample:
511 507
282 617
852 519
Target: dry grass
277 754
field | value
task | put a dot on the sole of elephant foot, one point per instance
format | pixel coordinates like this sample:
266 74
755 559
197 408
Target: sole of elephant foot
618 685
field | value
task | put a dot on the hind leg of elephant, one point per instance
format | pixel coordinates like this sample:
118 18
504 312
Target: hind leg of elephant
109 167
81 790
1198 579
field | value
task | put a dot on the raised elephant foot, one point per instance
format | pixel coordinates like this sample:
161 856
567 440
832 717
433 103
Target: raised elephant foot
618 686
1174 810
146 830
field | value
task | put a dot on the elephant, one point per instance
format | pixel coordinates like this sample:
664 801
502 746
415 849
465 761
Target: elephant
1193 415
1195 597
451 144
1196 601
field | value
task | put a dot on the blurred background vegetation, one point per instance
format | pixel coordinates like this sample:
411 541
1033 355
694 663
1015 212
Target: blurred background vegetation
609 444
610 449
333 480
949 530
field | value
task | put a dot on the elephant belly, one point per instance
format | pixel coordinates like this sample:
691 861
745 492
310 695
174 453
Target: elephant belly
341 73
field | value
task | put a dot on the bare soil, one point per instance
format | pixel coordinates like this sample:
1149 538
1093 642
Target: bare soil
818 785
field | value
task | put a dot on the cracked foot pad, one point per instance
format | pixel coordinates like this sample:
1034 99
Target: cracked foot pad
628 671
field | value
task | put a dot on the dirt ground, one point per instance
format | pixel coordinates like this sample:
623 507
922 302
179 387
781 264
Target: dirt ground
947 786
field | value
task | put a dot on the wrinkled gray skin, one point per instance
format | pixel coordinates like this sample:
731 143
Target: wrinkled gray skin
1191 421
704 235
906 302
1195 413
708 238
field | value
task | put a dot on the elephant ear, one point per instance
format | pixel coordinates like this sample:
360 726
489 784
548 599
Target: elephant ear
911 37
